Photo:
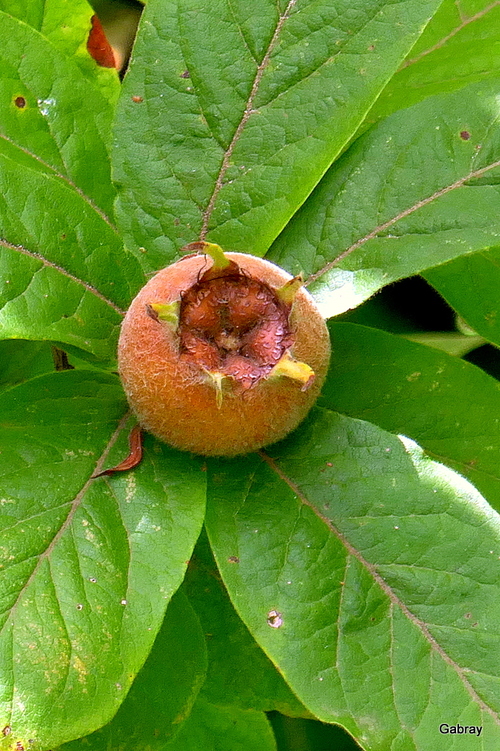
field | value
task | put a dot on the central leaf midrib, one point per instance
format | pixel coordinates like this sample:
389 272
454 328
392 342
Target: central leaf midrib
402 215
244 118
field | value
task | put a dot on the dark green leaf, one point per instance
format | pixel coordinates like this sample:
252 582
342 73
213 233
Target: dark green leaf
239 673
163 692
214 728
88 565
20 361
471 287
229 116
419 189
369 574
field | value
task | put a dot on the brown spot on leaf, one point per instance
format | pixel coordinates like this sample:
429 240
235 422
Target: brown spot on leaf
20 102
186 74
233 559
137 99
98 46
7 730
464 135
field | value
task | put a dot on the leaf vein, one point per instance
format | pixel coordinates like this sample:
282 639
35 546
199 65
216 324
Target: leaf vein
244 119
52 265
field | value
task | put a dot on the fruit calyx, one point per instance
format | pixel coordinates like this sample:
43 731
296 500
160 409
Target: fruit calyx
233 328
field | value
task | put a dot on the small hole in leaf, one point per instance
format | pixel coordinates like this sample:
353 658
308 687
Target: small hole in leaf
20 102
274 619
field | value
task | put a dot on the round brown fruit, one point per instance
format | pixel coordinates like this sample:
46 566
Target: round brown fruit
222 355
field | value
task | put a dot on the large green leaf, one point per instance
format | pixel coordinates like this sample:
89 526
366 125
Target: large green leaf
88 566
369 574
53 112
460 45
231 113
65 276
450 407
418 190
239 673
471 285
163 692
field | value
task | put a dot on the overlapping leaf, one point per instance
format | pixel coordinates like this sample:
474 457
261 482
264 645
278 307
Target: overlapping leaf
369 575
88 566
164 691
418 190
229 118
477 300
449 406
51 111
459 46
238 673
68 30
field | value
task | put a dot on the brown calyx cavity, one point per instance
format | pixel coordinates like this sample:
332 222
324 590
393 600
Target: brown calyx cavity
233 326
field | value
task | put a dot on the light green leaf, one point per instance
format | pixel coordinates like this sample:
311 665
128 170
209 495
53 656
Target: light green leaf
230 113
460 45
68 30
449 406
369 574
163 692
88 566
63 271
213 728
419 189
239 673
51 111
471 285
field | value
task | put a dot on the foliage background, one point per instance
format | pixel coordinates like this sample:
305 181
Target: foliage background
357 143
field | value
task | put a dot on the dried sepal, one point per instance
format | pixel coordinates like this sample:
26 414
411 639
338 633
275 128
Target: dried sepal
288 292
291 368
166 312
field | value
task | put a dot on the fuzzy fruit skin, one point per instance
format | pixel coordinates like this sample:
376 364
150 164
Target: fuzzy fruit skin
175 401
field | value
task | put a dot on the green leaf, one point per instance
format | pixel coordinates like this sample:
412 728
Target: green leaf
163 692
51 111
69 33
214 728
64 274
416 191
88 565
471 285
449 406
239 673
229 116
369 574
20 361
460 45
